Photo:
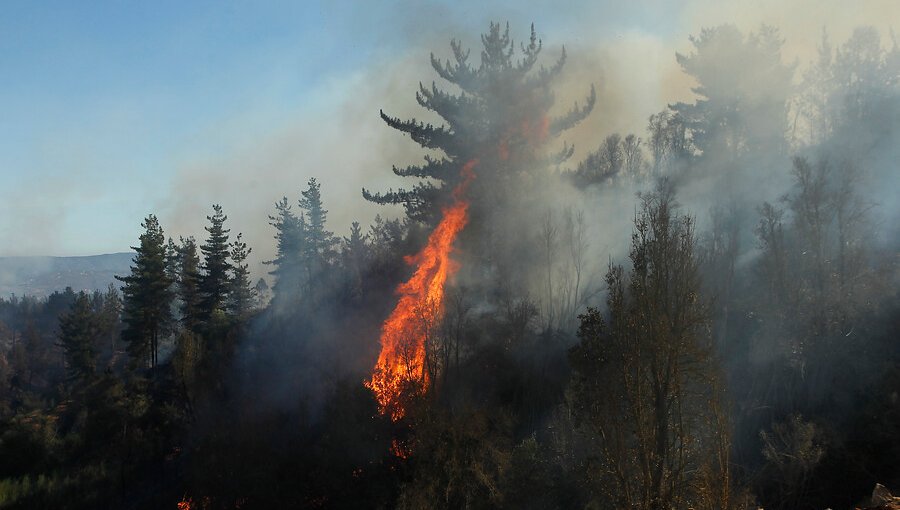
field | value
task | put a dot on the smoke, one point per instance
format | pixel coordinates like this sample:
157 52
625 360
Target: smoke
345 147
247 160
800 22
298 356
338 137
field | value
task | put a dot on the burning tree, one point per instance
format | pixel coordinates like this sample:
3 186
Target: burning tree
408 330
500 123
500 117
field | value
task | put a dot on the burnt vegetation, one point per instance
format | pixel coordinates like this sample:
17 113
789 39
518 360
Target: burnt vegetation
741 350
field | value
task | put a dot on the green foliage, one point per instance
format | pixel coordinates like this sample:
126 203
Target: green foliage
355 255
188 277
79 337
147 297
306 252
289 247
214 282
319 241
499 118
266 409
319 244
28 444
742 111
241 294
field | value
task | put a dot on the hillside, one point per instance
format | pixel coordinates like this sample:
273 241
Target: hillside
39 276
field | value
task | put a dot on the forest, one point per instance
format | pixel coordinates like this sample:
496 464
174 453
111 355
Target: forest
703 315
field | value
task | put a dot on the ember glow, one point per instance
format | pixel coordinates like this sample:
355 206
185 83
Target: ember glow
404 334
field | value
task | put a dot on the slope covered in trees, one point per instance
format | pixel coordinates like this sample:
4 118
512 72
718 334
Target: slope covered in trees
741 350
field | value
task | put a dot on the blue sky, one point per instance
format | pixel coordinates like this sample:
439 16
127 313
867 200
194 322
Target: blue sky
113 110
98 101
101 101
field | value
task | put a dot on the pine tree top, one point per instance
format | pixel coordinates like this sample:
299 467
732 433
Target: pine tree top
500 116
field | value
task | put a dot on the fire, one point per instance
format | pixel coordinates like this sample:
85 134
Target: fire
406 331
399 449
405 334
205 503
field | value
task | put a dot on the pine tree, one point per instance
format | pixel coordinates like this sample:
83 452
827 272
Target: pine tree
110 315
355 254
500 118
240 297
319 243
188 280
288 250
214 283
172 261
147 297
32 357
261 293
79 335
743 111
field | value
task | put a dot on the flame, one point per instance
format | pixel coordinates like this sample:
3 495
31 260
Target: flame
401 364
400 450
187 503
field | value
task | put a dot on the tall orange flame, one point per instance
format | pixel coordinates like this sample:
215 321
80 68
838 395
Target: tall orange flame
404 334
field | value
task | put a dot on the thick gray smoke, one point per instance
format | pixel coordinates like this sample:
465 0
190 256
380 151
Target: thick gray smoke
747 74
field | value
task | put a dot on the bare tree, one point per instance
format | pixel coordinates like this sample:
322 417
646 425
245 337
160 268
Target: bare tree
633 157
572 268
644 390
453 330
549 234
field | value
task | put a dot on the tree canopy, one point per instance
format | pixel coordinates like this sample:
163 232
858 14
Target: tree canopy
147 296
500 117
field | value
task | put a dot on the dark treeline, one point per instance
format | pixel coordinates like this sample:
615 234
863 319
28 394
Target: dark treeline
741 349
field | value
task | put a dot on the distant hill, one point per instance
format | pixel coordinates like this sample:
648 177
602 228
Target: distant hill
40 276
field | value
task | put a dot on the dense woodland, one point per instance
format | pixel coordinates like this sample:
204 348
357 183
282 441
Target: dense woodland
742 349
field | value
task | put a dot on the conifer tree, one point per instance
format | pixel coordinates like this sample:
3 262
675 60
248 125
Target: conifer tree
741 112
111 315
288 250
147 297
172 261
240 297
214 283
500 118
79 332
319 242
355 254
188 280
261 293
